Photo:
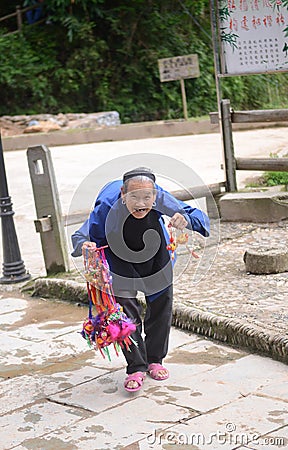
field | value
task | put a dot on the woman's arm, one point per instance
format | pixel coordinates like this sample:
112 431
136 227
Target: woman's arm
79 237
196 219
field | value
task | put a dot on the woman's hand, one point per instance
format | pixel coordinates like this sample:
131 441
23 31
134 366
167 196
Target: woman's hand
88 245
178 221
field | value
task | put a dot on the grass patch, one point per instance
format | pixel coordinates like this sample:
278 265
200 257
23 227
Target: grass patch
275 178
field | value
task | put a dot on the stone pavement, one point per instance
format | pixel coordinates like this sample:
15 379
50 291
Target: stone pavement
56 393
213 295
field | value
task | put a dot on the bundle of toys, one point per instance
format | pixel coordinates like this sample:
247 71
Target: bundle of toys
176 239
110 325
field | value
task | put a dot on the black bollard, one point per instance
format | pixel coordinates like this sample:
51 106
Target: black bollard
13 267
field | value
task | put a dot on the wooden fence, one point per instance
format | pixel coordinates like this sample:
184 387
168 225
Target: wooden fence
211 192
18 14
232 163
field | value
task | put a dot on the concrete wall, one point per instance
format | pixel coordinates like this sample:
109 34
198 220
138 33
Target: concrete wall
143 130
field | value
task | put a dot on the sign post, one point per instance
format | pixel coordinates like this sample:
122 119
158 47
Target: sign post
179 68
184 101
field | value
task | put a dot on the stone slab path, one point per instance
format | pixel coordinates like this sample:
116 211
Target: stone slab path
57 393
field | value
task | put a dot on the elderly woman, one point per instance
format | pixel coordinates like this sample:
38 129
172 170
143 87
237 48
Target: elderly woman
128 217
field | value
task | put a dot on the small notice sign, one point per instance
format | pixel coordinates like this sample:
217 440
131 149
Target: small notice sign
179 67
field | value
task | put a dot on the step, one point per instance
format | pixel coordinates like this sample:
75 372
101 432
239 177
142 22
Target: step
258 207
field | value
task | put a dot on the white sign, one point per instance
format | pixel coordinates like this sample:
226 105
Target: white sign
253 35
178 67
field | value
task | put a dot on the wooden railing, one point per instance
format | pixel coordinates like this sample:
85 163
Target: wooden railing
18 14
260 115
228 116
208 191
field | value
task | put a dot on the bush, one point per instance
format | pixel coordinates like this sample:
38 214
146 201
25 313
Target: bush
26 74
102 55
275 178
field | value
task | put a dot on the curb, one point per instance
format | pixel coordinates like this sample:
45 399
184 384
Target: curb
123 132
231 331
227 330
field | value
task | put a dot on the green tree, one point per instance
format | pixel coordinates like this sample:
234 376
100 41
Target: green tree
95 55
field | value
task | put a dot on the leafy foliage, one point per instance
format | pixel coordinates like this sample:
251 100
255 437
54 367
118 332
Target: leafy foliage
275 178
25 75
95 55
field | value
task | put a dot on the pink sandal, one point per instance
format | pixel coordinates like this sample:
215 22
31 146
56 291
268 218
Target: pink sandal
138 377
154 369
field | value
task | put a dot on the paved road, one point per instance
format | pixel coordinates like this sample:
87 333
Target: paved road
73 164
56 393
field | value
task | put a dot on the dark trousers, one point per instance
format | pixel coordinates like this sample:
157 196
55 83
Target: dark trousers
157 323
34 15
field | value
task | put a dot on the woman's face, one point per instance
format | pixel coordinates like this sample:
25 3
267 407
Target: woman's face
139 197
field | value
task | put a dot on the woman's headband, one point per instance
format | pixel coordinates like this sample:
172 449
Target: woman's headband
139 173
